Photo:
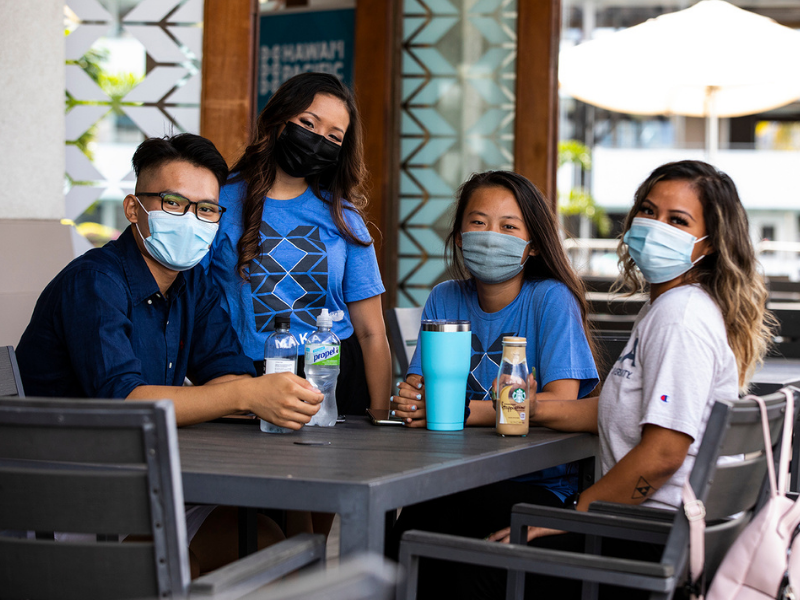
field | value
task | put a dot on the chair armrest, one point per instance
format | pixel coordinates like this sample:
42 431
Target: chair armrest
359 577
557 563
590 523
633 510
247 574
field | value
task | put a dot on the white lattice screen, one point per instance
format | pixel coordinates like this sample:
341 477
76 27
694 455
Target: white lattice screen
133 71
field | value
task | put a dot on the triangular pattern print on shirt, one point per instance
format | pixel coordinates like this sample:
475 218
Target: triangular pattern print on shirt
290 275
481 360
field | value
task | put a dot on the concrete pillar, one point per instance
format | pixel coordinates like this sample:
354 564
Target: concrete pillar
34 246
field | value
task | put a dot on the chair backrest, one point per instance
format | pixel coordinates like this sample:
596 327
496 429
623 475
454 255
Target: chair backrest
613 312
609 345
89 471
788 343
731 489
10 382
403 325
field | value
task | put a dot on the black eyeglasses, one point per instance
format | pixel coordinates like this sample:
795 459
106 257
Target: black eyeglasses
175 204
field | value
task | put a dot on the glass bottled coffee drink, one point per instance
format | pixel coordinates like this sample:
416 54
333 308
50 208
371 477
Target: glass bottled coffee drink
511 389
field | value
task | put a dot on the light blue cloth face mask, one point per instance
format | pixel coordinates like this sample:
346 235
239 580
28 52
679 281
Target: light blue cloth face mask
662 252
177 242
493 257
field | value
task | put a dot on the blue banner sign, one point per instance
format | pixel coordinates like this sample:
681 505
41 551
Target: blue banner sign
297 42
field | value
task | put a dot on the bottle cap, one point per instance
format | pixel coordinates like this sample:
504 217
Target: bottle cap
514 341
283 322
325 319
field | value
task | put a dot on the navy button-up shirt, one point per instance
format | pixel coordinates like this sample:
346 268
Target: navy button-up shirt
102 328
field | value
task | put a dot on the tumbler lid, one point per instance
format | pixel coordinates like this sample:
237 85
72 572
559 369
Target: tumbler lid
445 325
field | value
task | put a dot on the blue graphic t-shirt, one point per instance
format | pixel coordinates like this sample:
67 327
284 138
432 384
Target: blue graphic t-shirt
546 314
304 265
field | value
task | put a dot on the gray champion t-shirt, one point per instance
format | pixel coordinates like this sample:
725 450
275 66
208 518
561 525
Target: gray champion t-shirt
675 365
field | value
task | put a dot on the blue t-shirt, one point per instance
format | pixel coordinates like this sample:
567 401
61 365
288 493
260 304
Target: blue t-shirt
304 264
101 329
546 314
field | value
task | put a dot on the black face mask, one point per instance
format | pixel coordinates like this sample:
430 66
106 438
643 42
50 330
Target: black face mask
302 153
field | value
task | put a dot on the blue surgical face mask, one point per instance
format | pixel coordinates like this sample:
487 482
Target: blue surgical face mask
493 257
662 252
177 242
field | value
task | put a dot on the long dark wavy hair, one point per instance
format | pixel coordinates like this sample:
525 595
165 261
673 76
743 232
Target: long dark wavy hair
257 166
550 260
730 274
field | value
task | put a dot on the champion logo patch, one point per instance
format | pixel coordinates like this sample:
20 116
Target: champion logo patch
664 398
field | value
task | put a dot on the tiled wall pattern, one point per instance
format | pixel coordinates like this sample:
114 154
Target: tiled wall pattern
458 110
133 70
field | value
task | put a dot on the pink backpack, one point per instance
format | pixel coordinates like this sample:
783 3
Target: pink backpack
764 561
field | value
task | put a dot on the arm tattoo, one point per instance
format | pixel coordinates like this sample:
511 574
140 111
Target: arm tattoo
642 489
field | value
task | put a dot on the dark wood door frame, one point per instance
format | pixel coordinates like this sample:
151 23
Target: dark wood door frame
227 98
376 82
536 122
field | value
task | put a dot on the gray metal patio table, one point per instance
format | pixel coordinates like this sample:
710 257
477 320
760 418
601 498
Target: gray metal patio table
363 472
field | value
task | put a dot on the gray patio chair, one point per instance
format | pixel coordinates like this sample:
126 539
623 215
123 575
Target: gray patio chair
108 468
730 501
403 325
10 382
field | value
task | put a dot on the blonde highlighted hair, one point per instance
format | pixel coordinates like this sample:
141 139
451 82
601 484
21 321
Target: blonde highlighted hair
729 275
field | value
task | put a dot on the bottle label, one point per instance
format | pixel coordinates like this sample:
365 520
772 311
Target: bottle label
279 365
512 405
323 354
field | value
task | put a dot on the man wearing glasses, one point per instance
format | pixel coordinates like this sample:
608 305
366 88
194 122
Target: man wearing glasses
133 319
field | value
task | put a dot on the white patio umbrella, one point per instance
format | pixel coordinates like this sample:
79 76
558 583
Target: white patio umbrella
710 60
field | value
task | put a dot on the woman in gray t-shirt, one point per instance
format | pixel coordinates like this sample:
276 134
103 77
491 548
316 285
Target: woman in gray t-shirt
697 340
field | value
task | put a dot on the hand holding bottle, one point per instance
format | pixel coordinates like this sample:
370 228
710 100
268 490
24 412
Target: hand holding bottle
280 356
283 399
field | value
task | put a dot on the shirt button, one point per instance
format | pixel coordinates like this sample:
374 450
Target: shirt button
167 322
170 365
149 301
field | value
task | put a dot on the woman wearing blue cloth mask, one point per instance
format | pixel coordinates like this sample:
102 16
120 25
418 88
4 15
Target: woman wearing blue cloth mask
697 341
513 278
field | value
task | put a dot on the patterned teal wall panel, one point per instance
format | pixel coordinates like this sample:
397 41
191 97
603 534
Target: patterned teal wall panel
457 117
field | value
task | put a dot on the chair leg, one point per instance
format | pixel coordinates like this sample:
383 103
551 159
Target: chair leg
515 585
407 589
515 580
248 531
590 589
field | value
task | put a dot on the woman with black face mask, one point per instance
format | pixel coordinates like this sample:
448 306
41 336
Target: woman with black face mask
295 241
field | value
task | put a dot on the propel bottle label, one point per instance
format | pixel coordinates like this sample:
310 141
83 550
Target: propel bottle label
512 405
323 354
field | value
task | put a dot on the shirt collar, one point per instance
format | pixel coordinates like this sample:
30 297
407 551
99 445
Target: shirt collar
140 280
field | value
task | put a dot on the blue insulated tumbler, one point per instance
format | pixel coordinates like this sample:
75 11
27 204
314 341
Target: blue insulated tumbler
446 348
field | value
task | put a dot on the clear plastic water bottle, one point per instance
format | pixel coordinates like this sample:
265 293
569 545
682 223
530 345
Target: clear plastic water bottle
323 351
280 356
